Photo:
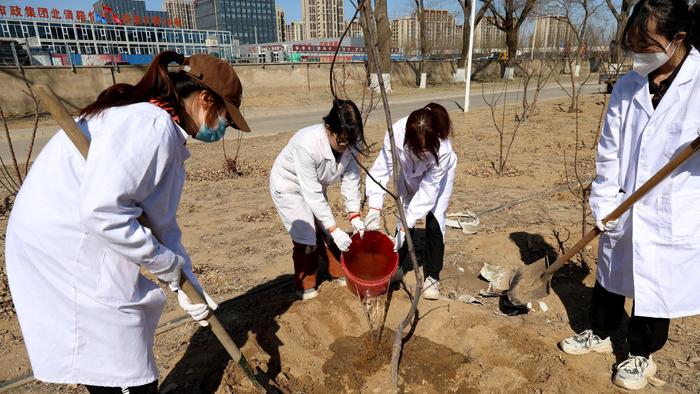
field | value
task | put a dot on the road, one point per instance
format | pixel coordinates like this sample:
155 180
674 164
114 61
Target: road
264 123
400 107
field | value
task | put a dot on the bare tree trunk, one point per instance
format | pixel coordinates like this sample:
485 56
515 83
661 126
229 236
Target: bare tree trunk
512 41
420 8
381 20
621 17
466 6
381 15
371 45
370 54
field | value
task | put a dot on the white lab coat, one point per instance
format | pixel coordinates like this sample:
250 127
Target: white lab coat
425 186
300 177
653 253
74 247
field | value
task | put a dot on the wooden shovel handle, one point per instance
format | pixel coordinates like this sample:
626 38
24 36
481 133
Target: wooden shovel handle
75 134
675 162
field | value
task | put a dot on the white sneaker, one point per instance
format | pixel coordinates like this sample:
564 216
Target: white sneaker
585 342
431 289
633 373
307 294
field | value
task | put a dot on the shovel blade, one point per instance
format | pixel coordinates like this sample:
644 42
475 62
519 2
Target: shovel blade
528 284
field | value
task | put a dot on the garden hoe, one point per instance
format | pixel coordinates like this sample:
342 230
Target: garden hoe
66 122
532 281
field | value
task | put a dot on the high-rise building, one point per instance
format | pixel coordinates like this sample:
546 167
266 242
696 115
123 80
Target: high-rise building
404 33
440 34
131 12
487 36
250 21
553 32
441 29
281 25
294 31
322 18
355 29
182 10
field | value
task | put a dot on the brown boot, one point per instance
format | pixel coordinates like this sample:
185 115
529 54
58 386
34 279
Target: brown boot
305 259
331 253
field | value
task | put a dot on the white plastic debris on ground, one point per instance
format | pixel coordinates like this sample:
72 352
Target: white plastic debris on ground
497 276
468 222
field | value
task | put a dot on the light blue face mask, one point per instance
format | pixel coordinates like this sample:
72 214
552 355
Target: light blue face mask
208 134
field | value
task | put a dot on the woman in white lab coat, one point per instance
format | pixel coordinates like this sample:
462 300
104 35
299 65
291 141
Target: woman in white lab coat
74 245
316 157
651 253
428 166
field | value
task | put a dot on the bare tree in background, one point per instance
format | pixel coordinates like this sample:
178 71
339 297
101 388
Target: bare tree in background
577 16
580 186
539 72
500 123
422 39
621 15
466 7
381 20
11 176
509 16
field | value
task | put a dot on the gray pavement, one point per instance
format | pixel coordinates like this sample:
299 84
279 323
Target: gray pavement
264 123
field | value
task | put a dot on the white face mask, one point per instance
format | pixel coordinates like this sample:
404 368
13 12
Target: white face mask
645 63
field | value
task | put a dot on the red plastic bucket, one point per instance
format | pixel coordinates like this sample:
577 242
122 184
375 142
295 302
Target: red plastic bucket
369 264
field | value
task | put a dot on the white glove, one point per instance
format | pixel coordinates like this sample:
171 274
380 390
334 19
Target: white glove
341 239
609 226
198 312
399 238
373 219
357 224
171 275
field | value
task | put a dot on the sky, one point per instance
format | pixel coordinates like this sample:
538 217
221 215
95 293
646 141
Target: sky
292 8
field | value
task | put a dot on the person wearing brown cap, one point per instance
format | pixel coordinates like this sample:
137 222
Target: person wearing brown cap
74 245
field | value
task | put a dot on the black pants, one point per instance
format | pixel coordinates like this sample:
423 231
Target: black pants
150 388
434 249
645 335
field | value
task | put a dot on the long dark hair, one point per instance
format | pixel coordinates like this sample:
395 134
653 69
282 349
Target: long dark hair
157 83
345 122
672 17
425 128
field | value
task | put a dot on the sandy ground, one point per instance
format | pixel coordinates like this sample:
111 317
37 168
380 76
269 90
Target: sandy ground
243 258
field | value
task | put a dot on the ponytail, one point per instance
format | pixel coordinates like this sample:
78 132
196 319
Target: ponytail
425 128
157 83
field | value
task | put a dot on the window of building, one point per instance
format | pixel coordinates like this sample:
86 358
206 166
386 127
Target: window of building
28 30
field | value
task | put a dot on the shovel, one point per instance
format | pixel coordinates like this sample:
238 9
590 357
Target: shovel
532 281
61 115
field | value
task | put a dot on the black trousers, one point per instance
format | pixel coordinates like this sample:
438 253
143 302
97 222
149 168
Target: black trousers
150 388
645 335
434 252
